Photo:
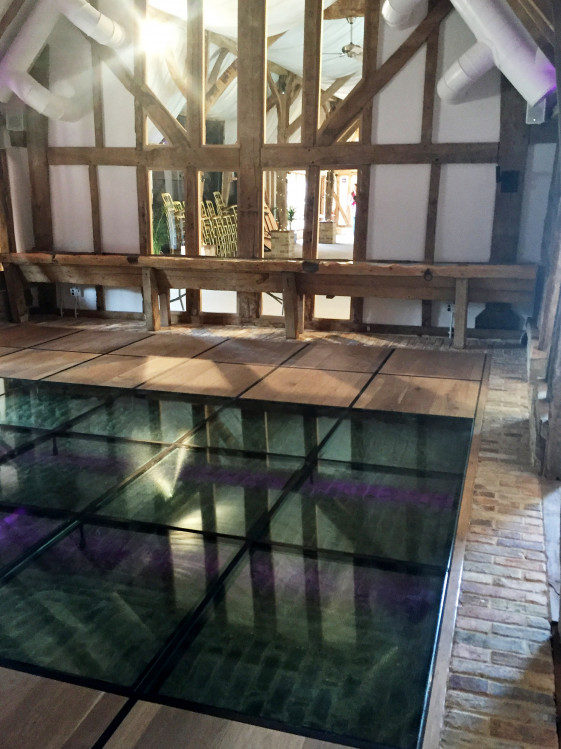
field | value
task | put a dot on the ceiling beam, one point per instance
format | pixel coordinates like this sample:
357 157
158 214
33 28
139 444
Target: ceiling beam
344 9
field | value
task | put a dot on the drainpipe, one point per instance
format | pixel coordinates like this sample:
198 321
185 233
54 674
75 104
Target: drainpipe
401 14
30 40
502 38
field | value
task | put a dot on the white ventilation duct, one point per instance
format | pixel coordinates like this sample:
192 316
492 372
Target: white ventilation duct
401 14
502 40
32 37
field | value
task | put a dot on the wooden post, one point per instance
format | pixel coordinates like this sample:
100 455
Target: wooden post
196 134
460 313
513 149
7 236
99 134
293 306
143 186
150 298
16 293
252 74
165 312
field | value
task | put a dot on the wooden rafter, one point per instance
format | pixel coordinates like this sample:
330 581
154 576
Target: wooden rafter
216 67
350 110
326 96
160 115
9 16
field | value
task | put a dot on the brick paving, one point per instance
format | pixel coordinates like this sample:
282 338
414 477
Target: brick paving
500 684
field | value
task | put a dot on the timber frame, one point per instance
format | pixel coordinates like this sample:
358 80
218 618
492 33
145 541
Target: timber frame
325 125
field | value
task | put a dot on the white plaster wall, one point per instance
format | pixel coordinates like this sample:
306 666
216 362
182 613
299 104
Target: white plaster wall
441 315
119 209
123 300
398 108
478 117
71 63
338 308
219 301
392 311
398 212
18 169
466 206
537 181
71 208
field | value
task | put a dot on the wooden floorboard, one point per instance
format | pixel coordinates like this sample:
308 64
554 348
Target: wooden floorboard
208 378
8 350
422 395
448 364
151 726
116 371
241 351
30 364
93 341
171 344
40 713
313 386
333 356
30 335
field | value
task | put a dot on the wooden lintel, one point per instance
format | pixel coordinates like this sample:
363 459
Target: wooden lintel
205 158
366 89
351 155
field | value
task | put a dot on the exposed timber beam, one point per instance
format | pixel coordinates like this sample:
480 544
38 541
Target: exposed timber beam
160 116
350 110
326 95
9 16
344 9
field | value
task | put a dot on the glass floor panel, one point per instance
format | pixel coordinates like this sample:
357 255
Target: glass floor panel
317 643
280 565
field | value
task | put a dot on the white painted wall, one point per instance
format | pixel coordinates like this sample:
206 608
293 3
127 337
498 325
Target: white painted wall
466 206
398 212
537 181
119 209
71 208
392 311
398 109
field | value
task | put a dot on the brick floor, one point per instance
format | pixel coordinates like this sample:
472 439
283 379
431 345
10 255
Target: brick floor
500 684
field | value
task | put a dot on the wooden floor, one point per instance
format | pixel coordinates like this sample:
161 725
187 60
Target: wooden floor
37 713
317 372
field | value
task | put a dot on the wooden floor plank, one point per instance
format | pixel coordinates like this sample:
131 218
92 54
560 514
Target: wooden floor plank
421 395
94 341
8 350
334 356
240 351
40 713
208 378
150 726
312 386
31 335
32 364
116 371
447 364
171 344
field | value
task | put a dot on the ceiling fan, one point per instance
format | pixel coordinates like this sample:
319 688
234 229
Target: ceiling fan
351 49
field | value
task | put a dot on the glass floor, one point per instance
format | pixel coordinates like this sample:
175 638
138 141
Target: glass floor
283 565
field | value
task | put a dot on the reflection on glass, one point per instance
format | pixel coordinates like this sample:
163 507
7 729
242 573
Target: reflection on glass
270 430
69 472
422 443
155 418
19 530
37 405
206 492
101 602
317 644
399 516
